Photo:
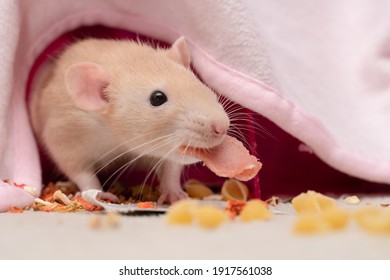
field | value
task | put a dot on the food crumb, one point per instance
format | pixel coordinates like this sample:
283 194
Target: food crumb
95 222
15 210
31 190
113 219
352 200
213 197
273 201
146 204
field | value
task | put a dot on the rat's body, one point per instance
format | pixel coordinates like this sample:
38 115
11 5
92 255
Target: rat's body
106 99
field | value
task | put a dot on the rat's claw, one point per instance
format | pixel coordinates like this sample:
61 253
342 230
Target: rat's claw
172 196
162 198
107 196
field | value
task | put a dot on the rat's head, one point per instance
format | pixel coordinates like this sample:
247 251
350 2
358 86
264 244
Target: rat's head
151 99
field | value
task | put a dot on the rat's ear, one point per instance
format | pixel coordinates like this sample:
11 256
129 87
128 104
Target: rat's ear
85 82
179 52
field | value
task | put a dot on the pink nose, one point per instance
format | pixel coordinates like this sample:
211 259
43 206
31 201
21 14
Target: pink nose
218 129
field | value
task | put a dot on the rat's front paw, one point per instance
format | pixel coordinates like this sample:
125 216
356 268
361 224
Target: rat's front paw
171 196
107 197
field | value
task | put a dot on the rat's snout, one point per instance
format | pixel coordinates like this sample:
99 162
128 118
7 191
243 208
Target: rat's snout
219 129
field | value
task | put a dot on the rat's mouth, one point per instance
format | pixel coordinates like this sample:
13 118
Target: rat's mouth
228 159
193 151
189 154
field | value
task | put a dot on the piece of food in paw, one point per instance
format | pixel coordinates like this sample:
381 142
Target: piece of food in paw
209 216
373 219
234 190
181 212
196 189
255 210
312 202
229 159
310 223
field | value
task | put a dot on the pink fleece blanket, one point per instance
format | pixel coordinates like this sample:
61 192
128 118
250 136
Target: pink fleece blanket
319 71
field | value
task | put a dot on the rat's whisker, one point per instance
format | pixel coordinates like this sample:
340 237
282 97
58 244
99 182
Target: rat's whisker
252 124
234 111
129 151
126 153
237 133
231 107
153 148
114 149
159 163
252 129
224 100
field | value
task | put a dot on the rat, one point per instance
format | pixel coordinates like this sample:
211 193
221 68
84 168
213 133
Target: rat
105 99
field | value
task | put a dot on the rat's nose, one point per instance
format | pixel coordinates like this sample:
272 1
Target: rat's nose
218 129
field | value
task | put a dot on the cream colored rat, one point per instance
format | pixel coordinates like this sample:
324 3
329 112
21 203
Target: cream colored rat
107 99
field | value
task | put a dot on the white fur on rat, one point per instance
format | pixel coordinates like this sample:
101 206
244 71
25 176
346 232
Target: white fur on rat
107 99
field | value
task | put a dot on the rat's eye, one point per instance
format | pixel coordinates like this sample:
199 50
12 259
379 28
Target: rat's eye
158 98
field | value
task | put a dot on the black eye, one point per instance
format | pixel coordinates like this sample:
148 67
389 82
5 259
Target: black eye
158 98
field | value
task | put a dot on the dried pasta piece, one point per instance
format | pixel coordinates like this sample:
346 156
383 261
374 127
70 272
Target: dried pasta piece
41 201
196 189
373 219
234 190
309 223
181 212
318 213
209 216
336 217
312 202
255 210
61 198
